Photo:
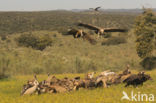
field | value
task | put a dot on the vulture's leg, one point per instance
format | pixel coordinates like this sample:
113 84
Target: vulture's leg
98 34
75 88
82 34
76 34
104 83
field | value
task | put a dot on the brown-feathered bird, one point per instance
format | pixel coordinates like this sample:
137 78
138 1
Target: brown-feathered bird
31 89
77 33
32 80
95 9
100 31
137 79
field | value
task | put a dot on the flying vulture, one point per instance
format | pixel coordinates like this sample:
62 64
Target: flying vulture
95 9
100 31
77 33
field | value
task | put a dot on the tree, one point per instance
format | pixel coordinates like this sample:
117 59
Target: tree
39 42
145 31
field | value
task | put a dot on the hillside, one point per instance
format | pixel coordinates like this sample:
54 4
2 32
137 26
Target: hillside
66 54
13 22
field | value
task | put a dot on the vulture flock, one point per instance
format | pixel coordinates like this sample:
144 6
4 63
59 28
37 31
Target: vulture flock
104 79
77 33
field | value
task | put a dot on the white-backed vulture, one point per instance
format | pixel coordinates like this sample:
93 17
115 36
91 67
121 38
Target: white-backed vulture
32 89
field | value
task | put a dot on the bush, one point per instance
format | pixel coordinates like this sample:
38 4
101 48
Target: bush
83 66
144 30
149 63
36 42
37 70
114 41
3 37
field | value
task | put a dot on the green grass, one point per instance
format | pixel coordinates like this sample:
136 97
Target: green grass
10 92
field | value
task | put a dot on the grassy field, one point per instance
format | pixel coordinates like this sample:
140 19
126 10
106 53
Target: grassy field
67 55
10 92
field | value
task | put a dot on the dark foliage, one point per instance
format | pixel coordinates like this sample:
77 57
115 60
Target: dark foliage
149 63
36 42
3 36
3 76
145 33
13 22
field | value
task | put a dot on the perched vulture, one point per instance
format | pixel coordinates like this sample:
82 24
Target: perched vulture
30 89
95 9
32 80
100 31
137 79
77 33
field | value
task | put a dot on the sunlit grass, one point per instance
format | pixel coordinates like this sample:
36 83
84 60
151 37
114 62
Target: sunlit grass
10 91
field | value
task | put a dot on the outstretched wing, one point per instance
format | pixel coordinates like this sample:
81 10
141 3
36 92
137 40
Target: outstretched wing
89 26
114 30
97 8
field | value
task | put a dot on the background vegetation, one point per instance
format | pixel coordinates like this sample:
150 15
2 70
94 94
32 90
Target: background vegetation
38 42
17 22
33 43
145 31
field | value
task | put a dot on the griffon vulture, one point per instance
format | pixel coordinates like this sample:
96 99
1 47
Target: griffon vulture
95 9
100 31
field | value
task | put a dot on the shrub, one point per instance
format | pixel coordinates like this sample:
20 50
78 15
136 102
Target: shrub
144 30
3 37
114 41
83 66
36 42
37 70
149 63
